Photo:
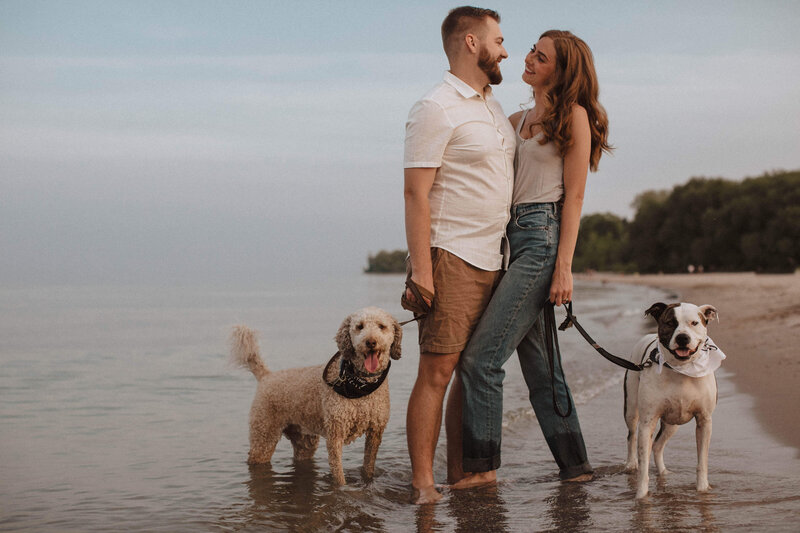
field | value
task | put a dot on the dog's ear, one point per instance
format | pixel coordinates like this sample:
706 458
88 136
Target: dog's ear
394 351
655 310
343 340
708 313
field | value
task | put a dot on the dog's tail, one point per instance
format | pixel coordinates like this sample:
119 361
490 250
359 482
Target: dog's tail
245 351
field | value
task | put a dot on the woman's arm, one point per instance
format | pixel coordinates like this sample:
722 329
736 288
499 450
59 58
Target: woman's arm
576 167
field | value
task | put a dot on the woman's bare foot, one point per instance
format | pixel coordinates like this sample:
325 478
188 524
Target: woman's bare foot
425 495
580 479
475 479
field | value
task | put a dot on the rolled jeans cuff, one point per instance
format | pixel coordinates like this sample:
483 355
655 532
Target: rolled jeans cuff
481 464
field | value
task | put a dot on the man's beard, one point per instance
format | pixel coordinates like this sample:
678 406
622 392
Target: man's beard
490 67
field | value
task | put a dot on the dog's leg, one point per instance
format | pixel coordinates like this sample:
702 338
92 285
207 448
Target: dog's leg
304 444
335 444
632 463
262 446
631 420
371 444
646 429
703 435
664 433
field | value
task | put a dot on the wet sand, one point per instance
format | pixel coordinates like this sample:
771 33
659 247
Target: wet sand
759 330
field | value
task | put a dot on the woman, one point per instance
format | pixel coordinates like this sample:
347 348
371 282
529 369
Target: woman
558 141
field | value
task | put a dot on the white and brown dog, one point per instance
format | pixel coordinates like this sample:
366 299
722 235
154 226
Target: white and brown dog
340 401
686 389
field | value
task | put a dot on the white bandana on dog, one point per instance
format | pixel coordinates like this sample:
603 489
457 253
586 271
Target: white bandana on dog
709 360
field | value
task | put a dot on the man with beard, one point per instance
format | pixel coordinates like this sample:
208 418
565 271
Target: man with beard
459 171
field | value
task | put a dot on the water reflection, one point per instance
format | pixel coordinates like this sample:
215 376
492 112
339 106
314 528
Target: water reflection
568 507
683 510
479 509
304 499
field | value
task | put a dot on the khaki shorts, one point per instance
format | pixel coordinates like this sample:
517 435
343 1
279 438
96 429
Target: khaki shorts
461 293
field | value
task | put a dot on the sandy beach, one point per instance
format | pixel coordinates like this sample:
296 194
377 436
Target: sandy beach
759 330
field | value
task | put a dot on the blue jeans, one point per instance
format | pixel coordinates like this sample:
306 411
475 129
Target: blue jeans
513 320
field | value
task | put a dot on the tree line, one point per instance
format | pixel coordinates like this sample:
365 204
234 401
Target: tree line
385 262
706 224
711 224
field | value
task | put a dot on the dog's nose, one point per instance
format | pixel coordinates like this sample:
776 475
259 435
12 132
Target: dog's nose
682 339
371 343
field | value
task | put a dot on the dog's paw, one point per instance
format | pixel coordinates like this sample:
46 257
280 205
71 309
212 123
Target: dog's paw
664 472
703 487
641 493
631 467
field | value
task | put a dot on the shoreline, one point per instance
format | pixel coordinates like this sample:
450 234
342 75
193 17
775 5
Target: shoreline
758 328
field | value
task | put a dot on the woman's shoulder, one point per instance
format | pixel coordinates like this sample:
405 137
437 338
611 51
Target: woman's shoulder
578 116
578 112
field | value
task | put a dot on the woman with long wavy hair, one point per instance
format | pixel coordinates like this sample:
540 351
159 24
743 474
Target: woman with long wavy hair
558 141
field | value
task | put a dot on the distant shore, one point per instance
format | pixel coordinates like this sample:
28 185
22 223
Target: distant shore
759 330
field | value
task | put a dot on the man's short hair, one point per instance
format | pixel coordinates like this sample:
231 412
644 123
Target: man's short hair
461 21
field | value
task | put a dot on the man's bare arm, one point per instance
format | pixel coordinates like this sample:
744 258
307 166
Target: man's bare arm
418 183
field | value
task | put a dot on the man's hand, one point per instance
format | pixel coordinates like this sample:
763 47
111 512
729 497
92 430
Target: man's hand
410 295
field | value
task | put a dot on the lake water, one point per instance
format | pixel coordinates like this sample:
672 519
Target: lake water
119 412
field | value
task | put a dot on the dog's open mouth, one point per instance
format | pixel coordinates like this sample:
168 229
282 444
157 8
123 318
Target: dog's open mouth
683 353
371 361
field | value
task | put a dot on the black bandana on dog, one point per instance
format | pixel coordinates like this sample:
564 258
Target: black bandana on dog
349 383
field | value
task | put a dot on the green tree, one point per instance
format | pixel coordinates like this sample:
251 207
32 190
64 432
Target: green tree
720 224
387 262
643 246
602 243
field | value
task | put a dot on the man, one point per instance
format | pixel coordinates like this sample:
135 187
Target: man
459 170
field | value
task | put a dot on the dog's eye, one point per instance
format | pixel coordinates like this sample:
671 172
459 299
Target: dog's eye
382 326
359 327
695 322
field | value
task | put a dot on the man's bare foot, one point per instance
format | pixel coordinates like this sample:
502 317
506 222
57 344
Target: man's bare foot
580 479
475 479
425 495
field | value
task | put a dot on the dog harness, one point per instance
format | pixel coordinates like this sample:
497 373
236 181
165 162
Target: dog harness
350 383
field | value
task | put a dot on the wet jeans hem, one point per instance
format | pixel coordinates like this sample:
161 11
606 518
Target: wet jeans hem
480 464
575 471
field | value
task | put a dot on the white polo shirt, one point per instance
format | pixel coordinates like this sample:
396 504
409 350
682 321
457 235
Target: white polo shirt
471 143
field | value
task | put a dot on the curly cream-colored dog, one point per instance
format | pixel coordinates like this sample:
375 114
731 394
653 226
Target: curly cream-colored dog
340 401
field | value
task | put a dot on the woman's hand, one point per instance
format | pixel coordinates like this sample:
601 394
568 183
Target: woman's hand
561 286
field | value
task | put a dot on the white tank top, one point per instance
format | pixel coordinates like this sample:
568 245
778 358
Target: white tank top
538 170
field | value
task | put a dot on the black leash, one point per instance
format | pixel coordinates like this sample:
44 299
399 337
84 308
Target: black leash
415 319
553 353
572 321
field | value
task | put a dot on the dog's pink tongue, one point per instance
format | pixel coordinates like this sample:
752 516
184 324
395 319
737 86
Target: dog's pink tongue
683 352
371 362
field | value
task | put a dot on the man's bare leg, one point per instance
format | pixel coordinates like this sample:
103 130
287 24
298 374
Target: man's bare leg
423 420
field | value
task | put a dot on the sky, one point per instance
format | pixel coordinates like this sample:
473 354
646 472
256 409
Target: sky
213 141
